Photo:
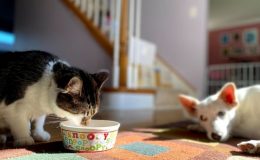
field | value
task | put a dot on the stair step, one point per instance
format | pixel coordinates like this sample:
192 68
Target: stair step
127 99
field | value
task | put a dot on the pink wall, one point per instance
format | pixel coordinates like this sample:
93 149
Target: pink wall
50 26
216 48
181 40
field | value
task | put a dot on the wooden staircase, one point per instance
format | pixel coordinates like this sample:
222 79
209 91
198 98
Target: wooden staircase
102 38
168 83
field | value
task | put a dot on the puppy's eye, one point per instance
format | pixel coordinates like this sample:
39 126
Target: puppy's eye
221 113
203 118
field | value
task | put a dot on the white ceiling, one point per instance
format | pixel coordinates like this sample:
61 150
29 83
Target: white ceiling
224 13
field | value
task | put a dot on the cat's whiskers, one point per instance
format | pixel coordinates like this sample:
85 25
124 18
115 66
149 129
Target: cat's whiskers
54 119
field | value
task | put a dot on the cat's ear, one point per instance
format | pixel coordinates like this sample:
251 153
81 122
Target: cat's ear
100 78
189 103
228 94
74 86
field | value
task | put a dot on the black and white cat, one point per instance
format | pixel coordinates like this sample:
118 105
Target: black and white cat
34 84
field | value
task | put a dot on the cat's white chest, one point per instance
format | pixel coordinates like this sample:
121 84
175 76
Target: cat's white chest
39 99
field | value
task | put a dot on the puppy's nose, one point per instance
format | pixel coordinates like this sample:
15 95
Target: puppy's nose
215 136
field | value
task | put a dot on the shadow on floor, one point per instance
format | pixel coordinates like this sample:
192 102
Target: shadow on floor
51 147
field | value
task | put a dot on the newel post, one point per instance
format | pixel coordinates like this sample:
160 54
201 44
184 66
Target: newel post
123 44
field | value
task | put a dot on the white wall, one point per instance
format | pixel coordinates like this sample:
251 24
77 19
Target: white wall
181 39
50 26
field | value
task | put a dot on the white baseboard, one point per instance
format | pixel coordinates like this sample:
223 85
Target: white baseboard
137 110
129 118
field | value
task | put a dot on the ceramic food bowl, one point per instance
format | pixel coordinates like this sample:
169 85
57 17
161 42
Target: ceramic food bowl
98 135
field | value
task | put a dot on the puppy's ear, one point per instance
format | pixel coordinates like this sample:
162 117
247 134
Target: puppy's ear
228 94
189 103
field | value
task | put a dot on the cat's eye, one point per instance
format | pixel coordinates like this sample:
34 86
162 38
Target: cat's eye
221 113
203 118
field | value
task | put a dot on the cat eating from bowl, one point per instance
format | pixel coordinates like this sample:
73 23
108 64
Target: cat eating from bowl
34 84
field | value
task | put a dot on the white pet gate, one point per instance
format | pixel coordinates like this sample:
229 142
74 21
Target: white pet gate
243 74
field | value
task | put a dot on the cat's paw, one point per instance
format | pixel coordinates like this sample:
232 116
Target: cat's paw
251 146
24 141
42 136
3 138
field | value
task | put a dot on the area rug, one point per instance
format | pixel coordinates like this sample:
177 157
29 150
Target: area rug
171 142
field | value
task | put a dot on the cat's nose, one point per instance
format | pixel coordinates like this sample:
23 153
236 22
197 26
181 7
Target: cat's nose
215 136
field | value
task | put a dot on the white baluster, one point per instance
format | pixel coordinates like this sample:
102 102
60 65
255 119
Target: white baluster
130 67
104 18
116 45
77 3
90 9
136 42
138 18
137 65
112 20
83 6
96 12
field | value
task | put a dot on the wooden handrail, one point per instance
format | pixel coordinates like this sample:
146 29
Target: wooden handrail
104 41
94 30
108 46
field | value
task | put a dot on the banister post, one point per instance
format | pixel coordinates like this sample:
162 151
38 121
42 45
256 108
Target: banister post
123 44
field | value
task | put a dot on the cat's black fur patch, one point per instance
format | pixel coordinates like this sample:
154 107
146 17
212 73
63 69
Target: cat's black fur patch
18 70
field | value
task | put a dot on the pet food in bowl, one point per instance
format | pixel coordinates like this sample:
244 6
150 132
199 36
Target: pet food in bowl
98 135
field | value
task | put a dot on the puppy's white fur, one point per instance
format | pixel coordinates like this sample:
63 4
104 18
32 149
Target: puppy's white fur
39 101
229 112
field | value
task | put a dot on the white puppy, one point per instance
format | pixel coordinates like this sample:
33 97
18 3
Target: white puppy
229 112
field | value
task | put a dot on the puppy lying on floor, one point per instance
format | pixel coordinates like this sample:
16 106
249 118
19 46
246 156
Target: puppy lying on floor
229 112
